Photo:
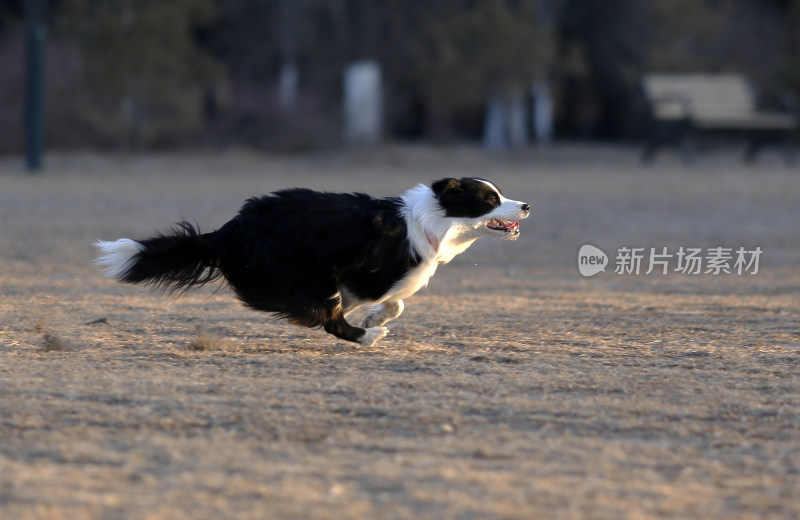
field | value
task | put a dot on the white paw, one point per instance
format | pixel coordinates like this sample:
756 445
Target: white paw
372 335
373 320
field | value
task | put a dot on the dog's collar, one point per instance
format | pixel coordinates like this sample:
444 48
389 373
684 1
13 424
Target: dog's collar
432 240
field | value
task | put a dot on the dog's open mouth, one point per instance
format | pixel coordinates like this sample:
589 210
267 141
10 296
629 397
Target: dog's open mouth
506 226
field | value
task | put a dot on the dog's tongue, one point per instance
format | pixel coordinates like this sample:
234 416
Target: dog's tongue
505 224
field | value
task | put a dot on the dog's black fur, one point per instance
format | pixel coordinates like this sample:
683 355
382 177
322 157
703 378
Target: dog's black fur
288 253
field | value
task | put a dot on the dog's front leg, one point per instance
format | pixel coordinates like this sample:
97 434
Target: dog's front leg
382 313
339 327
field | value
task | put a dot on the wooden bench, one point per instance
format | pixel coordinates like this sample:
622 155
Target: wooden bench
684 104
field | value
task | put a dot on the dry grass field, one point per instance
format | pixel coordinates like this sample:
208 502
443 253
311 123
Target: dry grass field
511 387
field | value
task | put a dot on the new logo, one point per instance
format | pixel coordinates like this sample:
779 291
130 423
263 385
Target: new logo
591 260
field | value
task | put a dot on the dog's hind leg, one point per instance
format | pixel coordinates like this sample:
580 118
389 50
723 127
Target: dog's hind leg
339 327
382 313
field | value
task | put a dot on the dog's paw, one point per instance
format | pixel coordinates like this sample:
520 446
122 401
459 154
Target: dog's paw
372 335
372 321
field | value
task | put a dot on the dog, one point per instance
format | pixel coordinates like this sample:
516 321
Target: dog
315 257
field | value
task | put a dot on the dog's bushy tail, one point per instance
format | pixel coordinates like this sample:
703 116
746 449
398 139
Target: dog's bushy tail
174 261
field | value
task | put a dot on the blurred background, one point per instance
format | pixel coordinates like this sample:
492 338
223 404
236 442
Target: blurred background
297 75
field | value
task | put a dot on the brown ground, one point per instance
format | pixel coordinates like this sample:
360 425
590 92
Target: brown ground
510 388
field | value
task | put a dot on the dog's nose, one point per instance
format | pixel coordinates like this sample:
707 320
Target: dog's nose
526 207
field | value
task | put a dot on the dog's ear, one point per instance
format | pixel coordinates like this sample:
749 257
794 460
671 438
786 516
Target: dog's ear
445 186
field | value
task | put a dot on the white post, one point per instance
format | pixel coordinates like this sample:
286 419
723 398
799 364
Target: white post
506 124
494 135
287 87
517 119
542 113
363 103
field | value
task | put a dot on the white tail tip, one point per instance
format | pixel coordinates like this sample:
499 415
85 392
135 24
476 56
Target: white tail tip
117 257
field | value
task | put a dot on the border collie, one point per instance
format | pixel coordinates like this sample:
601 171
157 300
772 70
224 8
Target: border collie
315 257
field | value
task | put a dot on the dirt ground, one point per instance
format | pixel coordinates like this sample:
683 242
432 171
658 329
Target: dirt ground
511 387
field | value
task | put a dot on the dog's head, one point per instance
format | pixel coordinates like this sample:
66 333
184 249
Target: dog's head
479 204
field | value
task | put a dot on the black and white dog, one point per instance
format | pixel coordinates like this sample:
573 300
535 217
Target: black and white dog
315 257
